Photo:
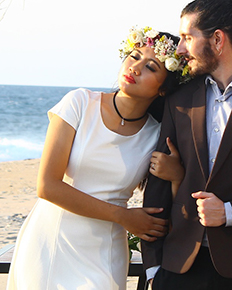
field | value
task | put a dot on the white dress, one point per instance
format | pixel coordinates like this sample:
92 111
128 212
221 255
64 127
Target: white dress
59 250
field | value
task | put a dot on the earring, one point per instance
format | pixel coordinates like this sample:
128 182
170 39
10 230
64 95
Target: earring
219 52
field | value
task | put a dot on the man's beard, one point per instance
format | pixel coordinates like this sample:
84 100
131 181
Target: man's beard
206 62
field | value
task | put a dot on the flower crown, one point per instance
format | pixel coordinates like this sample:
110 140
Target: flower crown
164 48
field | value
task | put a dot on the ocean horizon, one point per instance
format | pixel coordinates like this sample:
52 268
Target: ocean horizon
23 118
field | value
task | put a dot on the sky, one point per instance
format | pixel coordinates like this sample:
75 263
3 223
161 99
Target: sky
74 42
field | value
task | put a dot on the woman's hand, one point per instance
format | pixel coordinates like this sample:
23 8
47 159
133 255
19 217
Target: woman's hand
141 223
168 167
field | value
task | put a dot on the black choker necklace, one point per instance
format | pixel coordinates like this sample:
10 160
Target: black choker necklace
124 119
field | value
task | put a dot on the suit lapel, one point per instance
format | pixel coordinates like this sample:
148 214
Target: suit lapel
224 148
199 127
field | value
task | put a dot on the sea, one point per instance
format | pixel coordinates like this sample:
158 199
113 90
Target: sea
23 118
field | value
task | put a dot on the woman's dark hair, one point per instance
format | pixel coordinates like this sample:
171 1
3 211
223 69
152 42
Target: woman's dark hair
169 86
212 15
172 80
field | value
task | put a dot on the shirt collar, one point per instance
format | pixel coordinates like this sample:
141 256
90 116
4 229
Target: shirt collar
209 81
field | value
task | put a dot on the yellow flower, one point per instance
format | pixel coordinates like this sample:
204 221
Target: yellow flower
185 70
147 28
130 44
176 55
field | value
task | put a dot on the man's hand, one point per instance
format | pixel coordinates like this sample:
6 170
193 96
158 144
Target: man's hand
211 210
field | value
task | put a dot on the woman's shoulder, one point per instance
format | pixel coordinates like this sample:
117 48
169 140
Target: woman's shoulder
73 105
80 98
82 93
149 135
152 125
152 120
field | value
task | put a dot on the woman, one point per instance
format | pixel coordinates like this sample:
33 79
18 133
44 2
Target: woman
96 151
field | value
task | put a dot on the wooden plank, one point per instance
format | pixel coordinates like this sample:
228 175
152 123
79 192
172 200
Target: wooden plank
136 269
6 254
5 249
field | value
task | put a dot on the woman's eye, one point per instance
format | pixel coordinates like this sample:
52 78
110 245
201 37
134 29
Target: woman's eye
134 56
150 68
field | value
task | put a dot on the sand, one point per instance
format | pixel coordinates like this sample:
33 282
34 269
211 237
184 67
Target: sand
17 197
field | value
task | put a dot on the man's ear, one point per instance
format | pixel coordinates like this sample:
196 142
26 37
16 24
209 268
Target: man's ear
219 40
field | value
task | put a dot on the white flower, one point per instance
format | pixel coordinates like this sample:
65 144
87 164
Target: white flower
171 64
161 58
136 36
169 41
152 33
163 46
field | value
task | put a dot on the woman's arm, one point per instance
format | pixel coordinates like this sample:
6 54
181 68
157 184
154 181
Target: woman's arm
51 187
168 167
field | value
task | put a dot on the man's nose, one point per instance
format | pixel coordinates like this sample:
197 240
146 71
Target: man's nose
181 49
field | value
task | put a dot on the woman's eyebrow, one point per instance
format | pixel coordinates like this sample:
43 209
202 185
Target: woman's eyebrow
155 62
140 52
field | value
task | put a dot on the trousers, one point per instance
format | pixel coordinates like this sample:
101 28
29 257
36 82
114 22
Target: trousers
201 276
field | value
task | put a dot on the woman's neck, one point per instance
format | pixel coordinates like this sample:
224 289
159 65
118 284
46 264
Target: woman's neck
113 121
126 119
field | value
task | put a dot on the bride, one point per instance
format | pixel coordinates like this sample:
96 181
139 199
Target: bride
97 150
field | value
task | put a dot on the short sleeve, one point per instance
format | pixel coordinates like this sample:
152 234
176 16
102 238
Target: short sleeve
70 107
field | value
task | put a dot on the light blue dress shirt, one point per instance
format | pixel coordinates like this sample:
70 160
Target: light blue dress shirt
218 110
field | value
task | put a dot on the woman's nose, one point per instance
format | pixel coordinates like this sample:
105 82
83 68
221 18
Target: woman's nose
135 70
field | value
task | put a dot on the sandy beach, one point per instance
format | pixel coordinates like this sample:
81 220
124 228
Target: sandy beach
17 197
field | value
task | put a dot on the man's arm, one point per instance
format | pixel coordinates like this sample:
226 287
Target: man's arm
158 192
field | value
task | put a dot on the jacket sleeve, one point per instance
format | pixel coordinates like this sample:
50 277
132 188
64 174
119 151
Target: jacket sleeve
158 192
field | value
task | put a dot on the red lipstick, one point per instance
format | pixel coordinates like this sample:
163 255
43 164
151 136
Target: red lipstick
129 79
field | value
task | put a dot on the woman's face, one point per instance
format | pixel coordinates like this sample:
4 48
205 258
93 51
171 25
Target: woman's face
142 74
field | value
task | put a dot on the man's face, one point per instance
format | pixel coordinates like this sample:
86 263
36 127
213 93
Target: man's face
196 48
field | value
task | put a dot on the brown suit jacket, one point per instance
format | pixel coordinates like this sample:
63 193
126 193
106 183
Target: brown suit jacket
184 122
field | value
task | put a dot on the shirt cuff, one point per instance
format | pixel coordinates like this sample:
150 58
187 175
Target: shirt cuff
228 210
150 272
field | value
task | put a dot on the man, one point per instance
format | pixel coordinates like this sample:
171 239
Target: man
197 252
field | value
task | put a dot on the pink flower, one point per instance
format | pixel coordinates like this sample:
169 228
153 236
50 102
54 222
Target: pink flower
149 42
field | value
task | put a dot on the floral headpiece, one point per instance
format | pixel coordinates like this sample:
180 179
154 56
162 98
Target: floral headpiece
164 48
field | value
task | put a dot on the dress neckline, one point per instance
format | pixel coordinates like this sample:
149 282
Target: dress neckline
118 134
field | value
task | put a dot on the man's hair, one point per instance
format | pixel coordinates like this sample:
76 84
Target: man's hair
212 15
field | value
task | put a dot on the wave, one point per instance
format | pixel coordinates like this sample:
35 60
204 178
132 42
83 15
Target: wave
23 119
19 149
